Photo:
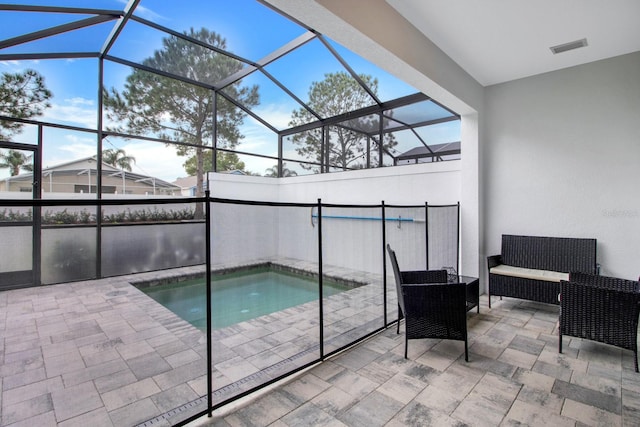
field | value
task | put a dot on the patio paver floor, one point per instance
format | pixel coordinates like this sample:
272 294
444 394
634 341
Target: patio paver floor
102 352
515 377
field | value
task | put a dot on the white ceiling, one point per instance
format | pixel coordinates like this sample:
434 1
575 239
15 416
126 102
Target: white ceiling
500 40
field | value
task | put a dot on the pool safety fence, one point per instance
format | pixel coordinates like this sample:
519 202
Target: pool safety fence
95 239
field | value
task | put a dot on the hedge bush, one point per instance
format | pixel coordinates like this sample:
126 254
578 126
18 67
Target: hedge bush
86 217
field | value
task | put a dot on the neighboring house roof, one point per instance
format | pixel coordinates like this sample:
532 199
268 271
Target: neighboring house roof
191 181
78 166
186 181
433 151
83 163
235 172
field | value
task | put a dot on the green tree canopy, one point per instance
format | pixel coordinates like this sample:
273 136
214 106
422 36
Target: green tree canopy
338 93
182 112
117 157
224 161
22 95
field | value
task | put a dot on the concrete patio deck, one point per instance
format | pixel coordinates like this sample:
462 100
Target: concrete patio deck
102 353
97 352
102 350
515 377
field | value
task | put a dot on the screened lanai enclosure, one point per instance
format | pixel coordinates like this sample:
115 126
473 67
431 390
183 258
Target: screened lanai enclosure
127 291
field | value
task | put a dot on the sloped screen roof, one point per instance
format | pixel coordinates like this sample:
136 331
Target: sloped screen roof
271 90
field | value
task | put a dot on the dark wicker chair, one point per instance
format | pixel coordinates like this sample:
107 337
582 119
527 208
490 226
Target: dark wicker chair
599 308
431 307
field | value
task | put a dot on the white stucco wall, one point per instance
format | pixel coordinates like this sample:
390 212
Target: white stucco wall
436 183
288 231
562 158
239 187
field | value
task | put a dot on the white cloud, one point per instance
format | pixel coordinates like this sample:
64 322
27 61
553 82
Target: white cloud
79 101
15 65
79 150
76 111
73 148
278 115
76 140
261 140
258 164
154 159
145 12
258 139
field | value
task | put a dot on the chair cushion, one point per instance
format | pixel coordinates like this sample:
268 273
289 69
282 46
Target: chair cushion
529 273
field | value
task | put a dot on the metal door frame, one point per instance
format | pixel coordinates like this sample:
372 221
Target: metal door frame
36 222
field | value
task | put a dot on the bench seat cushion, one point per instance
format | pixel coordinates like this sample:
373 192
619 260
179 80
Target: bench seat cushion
529 273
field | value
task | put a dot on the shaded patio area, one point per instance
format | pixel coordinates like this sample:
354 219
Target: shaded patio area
515 376
103 352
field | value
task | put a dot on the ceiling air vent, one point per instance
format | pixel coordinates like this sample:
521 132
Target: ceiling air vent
568 46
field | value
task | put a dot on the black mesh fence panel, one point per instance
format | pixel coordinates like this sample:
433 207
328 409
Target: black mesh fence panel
406 235
443 223
290 283
265 294
352 255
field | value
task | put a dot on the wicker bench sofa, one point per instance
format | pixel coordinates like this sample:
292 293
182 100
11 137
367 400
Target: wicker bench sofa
531 267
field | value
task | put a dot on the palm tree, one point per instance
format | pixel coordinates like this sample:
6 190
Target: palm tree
273 171
118 158
15 160
288 172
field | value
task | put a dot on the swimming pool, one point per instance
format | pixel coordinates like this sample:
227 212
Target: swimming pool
240 296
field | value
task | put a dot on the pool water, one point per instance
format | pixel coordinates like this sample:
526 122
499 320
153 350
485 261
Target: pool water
239 297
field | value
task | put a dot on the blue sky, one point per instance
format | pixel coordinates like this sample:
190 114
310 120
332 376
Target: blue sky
251 31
